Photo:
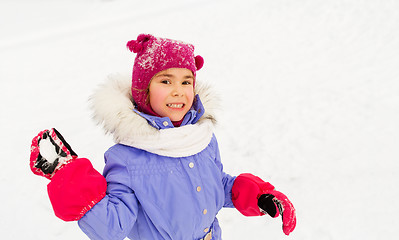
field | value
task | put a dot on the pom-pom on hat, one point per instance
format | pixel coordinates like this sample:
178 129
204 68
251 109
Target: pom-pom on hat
155 55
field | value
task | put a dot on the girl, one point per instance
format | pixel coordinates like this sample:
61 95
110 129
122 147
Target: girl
164 178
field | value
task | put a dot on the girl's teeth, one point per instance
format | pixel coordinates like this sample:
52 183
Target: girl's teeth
175 105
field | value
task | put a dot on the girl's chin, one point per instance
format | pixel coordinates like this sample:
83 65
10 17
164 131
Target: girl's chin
176 119
177 115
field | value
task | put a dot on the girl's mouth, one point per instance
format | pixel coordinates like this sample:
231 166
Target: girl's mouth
175 105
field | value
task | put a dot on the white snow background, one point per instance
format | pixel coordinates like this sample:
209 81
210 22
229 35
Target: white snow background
309 101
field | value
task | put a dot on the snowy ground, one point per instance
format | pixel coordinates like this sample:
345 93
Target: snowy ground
309 89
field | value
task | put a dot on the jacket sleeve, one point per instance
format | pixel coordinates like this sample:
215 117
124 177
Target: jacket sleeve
114 216
227 180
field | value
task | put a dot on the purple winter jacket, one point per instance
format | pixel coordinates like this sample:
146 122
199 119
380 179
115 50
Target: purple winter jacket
163 182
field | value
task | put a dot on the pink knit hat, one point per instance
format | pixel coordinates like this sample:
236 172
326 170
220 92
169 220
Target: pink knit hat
155 55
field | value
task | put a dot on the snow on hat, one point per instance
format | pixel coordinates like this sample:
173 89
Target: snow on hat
155 55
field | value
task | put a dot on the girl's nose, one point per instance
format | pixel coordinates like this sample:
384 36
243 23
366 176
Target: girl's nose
177 91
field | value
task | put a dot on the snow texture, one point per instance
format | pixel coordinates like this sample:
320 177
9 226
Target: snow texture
47 150
309 89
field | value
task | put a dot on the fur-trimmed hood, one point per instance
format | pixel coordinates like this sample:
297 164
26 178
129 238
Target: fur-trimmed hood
112 106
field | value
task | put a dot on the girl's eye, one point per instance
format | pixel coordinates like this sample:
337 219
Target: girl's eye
186 83
165 81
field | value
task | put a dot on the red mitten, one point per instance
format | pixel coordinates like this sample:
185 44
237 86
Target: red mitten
75 189
254 197
75 185
49 153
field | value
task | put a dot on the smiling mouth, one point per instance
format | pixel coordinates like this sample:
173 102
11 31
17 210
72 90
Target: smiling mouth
175 105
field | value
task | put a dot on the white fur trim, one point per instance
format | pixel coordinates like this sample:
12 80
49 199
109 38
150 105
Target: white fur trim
112 106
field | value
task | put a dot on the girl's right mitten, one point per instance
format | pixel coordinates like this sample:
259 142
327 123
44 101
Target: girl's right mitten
49 153
75 185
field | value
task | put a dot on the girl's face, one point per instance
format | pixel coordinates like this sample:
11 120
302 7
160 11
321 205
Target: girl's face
171 93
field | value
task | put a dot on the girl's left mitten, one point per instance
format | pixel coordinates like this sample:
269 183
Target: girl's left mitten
254 197
49 153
